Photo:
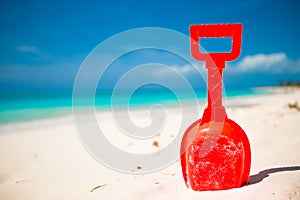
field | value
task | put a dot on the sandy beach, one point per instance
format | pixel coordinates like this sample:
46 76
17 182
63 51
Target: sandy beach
46 160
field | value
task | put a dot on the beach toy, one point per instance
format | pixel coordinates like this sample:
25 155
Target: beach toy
215 151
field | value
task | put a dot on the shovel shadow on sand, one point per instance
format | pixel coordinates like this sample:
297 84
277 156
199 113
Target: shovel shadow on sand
266 173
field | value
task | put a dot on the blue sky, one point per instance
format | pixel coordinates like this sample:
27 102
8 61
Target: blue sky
43 43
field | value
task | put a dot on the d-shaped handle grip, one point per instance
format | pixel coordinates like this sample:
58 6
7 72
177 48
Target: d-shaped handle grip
216 31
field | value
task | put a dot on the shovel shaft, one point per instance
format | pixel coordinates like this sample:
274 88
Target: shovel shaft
215 110
215 87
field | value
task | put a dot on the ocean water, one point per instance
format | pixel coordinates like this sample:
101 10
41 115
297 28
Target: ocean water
27 106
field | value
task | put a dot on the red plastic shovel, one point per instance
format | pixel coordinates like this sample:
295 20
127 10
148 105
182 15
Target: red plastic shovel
215 151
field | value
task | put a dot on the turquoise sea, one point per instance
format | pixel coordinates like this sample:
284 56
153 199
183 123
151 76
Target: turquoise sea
26 106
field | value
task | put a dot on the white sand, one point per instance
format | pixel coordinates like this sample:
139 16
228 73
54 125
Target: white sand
45 159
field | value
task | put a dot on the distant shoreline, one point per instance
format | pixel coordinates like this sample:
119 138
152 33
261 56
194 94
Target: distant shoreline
278 89
37 114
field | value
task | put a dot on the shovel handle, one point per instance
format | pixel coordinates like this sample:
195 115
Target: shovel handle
216 31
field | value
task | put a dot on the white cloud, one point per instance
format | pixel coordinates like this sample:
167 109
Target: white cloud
27 49
184 69
175 76
271 63
34 52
